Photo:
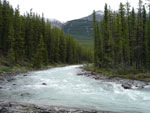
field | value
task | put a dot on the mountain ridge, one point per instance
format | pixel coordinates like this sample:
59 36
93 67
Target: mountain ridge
81 29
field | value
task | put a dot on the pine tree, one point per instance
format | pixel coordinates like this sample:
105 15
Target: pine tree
5 24
124 35
139 37
147 41
132 37
95 33
29 36
106 38
118 41
41 54
55 45
128 12
11 52
1 27
143 40
69 57
18 39
99 48
62 47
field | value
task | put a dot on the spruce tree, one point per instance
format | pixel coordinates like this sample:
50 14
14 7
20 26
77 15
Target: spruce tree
95 34
18 39
41 54
139 37
124 35
62 47
11 52
132 37
147 41
5 24
106 38
1 26
118 41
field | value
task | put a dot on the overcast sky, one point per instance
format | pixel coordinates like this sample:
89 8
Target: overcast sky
65 10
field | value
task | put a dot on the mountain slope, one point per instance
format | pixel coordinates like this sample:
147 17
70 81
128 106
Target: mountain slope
82 29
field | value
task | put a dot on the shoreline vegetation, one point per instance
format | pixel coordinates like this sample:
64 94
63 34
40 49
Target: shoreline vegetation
129 73
5 70
122 42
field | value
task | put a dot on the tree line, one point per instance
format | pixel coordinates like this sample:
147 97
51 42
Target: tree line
122 38
30 38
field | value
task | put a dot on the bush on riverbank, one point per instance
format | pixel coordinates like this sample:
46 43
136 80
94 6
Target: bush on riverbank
129 73
7 67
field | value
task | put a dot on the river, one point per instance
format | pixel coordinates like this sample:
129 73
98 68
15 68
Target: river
64 88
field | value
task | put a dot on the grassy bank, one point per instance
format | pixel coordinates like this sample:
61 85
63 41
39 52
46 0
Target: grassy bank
7 67
128 73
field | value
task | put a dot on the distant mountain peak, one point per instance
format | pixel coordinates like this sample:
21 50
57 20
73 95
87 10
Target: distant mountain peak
99 16
55 23
99 12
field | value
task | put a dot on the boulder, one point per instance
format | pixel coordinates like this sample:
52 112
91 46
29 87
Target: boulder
4 110
25 75
87 73
80 74
146 83
140 87
11 79
25 94
126 86
44 84
1 87
110 77
96 77
93 73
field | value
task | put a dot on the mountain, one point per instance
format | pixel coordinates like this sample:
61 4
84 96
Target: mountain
99 16
55 23
82 29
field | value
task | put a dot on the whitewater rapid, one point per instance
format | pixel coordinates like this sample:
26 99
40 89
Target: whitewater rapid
64 88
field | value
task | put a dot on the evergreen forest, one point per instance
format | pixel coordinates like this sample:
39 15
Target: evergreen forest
29 40
122 38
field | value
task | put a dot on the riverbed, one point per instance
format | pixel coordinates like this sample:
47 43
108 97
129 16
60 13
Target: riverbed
62 87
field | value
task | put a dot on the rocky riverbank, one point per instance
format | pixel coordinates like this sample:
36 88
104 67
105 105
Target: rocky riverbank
125 83
10 76
15 107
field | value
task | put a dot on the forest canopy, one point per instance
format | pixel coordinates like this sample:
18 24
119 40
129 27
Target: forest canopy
30 38
122 38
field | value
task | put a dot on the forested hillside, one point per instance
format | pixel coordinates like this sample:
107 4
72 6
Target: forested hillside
123 38
29 38
82 29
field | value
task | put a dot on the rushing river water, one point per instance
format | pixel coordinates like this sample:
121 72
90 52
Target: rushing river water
65 88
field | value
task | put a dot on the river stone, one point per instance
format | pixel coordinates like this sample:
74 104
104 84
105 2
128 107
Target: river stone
25 94
44 84
126 86
140 87
80 74
18 107
4 110
93 73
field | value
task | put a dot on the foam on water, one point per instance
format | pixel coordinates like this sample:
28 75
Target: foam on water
65 88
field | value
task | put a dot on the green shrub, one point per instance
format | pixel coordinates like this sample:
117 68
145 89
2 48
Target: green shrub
5 69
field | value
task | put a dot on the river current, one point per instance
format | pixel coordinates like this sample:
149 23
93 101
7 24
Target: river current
64 88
